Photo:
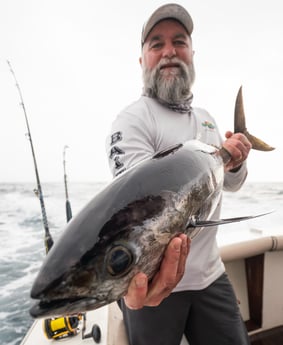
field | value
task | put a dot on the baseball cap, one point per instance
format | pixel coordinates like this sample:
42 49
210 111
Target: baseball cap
168 11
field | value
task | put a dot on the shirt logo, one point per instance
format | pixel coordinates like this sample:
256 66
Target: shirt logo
208 125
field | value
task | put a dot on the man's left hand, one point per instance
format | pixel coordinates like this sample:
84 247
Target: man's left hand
238 147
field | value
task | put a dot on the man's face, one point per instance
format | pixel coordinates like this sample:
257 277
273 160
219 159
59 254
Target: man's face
167 62
167 39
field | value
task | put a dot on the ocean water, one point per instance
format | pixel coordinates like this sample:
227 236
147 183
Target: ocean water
21 235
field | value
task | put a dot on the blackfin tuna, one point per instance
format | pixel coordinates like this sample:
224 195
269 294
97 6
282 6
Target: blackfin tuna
125 228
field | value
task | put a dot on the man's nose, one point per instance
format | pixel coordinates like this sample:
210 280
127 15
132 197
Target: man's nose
169 51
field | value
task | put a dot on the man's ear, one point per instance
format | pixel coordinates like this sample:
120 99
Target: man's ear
140 61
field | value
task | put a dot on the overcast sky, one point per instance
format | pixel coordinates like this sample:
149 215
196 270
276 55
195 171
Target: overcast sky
77 65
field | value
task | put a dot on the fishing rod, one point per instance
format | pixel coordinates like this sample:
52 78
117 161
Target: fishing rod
68 204
56 328
48 241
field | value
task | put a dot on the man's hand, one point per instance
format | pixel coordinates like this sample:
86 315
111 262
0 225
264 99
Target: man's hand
238 147
141 293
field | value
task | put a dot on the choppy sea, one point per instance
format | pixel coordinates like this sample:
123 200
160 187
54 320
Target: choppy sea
21 235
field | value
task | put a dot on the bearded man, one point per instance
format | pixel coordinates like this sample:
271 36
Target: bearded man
191 294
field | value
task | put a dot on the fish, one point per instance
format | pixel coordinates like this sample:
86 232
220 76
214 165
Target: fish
127 226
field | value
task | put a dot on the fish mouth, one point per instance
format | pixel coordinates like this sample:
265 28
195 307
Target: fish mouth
66 306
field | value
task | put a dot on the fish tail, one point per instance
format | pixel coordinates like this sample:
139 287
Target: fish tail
240 125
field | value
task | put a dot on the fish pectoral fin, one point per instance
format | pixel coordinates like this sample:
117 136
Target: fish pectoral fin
206 223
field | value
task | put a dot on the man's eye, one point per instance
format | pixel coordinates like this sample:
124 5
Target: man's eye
180 43
156 45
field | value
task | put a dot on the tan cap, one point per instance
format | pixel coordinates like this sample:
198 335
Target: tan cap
168 11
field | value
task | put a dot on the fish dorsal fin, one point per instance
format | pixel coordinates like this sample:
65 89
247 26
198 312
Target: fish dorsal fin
167 151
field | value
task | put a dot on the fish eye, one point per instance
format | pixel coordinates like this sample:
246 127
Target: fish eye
119 260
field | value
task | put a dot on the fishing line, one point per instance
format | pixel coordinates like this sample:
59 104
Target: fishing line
48 241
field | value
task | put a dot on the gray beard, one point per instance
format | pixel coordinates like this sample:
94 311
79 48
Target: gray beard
174 89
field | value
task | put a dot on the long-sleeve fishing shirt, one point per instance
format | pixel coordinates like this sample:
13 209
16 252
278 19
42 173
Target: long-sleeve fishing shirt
146 127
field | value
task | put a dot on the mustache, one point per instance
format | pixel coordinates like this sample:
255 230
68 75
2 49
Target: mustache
167 62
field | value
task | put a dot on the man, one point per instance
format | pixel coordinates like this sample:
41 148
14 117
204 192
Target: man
191 297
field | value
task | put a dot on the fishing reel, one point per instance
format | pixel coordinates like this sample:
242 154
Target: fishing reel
61 327
68 326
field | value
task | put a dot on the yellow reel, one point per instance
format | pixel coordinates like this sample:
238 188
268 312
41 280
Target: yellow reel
61 327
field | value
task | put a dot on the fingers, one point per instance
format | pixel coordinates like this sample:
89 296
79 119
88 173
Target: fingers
172 269
137 291
185 248
228 134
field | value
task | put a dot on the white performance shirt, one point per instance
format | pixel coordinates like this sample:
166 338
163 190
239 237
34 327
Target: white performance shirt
146 127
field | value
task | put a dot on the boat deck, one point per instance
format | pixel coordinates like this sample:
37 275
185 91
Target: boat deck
272 336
